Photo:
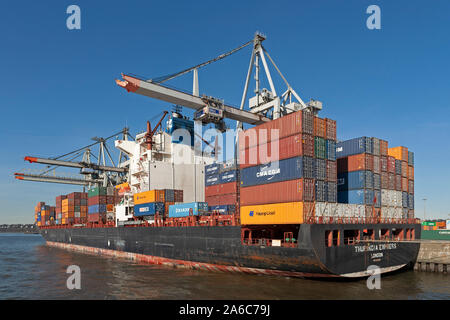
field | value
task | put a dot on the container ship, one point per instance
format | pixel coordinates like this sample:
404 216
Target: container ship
292 200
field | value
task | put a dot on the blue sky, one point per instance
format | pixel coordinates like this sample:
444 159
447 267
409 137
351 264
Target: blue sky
57 86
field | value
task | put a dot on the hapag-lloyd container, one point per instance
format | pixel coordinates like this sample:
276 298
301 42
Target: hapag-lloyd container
149 209
331 171
289 147
288 169
218 189
184 209
357 162
278 192
355 180
399 153
320 169
353 146
293 123
359 196
277 213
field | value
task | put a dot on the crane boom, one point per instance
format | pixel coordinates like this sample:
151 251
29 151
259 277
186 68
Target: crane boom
157 91
74 164
33 177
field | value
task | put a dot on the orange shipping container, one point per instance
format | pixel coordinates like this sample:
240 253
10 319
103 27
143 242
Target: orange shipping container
355 162
399 153
410 172
331 129
279 213
383 148
405 184
404 169
320 127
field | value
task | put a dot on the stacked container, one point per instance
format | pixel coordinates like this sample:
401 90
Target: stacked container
360 176
185 209
97 204
404 179
222 186
148 203
38 214
281 187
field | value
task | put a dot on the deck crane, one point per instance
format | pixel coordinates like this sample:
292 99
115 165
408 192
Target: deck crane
210 109
94 173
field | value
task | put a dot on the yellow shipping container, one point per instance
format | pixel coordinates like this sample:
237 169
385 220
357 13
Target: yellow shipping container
65 203
149 196
399 153
278 213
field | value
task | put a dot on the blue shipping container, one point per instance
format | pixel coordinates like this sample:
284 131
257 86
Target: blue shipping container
361 196
355 180
320 169
411 201
183 209
229 176
211 169
410 158
331 192
309 165
353 146
224 209
283 170
228 166
405 199
148 209
97 208
212 180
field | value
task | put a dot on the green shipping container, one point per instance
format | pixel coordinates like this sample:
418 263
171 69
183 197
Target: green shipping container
320 149
435 234
97 191
429 223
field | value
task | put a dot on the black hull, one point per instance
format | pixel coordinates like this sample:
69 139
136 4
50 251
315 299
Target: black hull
221 245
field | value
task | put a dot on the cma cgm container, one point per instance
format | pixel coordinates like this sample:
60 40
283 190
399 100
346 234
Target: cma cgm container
353 146
183 209
148 209
288 169
278 213
223 209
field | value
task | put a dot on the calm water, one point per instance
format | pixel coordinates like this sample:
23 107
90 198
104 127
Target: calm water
31 270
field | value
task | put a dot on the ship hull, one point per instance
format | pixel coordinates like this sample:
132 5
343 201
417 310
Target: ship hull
219 248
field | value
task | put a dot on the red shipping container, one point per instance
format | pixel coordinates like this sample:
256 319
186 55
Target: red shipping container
411 186
398 182
96 200
405 184
222 199
383 164
404 169
331 129
320 127
391 164
331 171
97 217
218 189
384 180
289 147
376 164
357 162
410 172
74 195
278 192
293 123
383 147
391 178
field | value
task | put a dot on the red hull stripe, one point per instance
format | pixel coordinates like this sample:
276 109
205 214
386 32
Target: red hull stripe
142 258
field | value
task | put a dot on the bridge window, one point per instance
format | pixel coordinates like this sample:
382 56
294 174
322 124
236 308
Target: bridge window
351 237
368 234
397 234
384 234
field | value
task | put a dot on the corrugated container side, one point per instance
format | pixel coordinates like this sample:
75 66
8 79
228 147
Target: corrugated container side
321 191
383 147
404 166
355 180
288 169
383 164
320 169
308 167
331 171
223 199
331 129
405 184
184 209
331 192
410 172
149 209
356 162
278 192
376 181
224 188
410 158
384 180
398 182
405 199
320 127
398 167
359 196
411 186
353 146
320 150
229 176
212 179
211 169
223 209
331 149
410 201
391 179
376 146
376 164
391 164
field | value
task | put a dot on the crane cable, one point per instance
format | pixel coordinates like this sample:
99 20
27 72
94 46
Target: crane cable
174 75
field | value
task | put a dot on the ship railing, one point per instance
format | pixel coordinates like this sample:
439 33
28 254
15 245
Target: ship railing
358 220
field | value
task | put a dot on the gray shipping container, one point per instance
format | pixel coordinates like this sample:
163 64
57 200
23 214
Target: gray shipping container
320 169
308 167
331 192
376 181
321 191
376 146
